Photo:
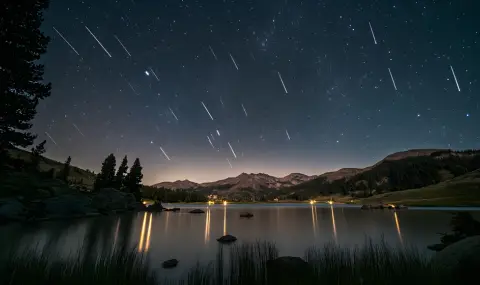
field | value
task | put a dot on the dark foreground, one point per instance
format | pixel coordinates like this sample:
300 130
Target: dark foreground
248 264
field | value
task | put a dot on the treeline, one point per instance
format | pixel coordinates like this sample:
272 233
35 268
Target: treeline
119 179
393 175
173 196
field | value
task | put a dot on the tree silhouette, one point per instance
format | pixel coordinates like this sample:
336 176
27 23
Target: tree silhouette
37 153
121 172
66 169
106 177
133 181
22 85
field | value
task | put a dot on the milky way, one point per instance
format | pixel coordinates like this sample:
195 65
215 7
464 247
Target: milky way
291 86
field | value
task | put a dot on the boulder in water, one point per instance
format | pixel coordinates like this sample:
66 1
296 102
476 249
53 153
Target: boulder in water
171 263
197 211
109 199
12 210
67 206
459 261
226 239
246 215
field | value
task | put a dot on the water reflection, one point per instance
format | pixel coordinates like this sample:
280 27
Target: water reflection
314 219
334 225
145 239
224 219
397 224
207 225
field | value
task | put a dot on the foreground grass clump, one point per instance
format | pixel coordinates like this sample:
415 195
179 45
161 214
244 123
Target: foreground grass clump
373 263
30 268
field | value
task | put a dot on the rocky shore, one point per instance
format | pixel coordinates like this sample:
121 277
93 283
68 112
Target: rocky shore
67 206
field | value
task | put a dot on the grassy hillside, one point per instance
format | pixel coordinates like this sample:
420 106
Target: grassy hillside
463 190
77 175
398 174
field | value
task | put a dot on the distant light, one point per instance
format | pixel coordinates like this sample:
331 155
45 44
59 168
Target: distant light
468 115
418 115
147 73
225 203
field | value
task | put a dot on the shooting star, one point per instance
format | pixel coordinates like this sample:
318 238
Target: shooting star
245 111
231 148
50 137
218 132
171 111
229 163
207 110
98 41
373 34
236 66
213 138
120 42
164 153
75 126
131 87
65 40
214 55
208 138
221 101
455 77
393 80
283 84
288 136
154 74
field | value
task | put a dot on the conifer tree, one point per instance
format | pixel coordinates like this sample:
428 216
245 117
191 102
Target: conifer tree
106 177
37 153
66 169
133 181
121 172
21 78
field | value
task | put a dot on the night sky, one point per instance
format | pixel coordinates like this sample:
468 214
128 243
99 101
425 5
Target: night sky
291 86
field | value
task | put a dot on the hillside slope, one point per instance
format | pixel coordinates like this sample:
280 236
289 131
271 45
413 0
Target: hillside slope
463 190
77 174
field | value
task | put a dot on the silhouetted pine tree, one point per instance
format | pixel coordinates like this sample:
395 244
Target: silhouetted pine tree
66 169
133 181
121 172
37 153
21 79
106 177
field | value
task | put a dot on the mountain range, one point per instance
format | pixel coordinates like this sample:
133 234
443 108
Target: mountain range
262 181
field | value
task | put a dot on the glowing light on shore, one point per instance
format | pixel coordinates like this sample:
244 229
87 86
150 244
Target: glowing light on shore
330 202
225 203
312 202
211 203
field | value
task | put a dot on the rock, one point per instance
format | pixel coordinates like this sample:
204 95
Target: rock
12 210
110 199
366 207
226 239
140 207
288 270
170 263
156 207
68 205
246 215
197 211
173 209
459 261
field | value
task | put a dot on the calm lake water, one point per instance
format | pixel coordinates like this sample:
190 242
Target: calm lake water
192 237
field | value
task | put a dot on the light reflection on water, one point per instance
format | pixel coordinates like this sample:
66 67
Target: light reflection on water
187 237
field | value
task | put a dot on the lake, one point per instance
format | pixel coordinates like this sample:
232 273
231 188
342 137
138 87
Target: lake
192 237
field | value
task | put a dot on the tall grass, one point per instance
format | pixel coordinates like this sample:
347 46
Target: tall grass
243 264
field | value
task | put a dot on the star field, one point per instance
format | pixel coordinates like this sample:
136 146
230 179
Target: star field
202 90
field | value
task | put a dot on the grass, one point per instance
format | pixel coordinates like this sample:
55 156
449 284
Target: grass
460 191
245 264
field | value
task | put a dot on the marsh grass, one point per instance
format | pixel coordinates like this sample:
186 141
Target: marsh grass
241 264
